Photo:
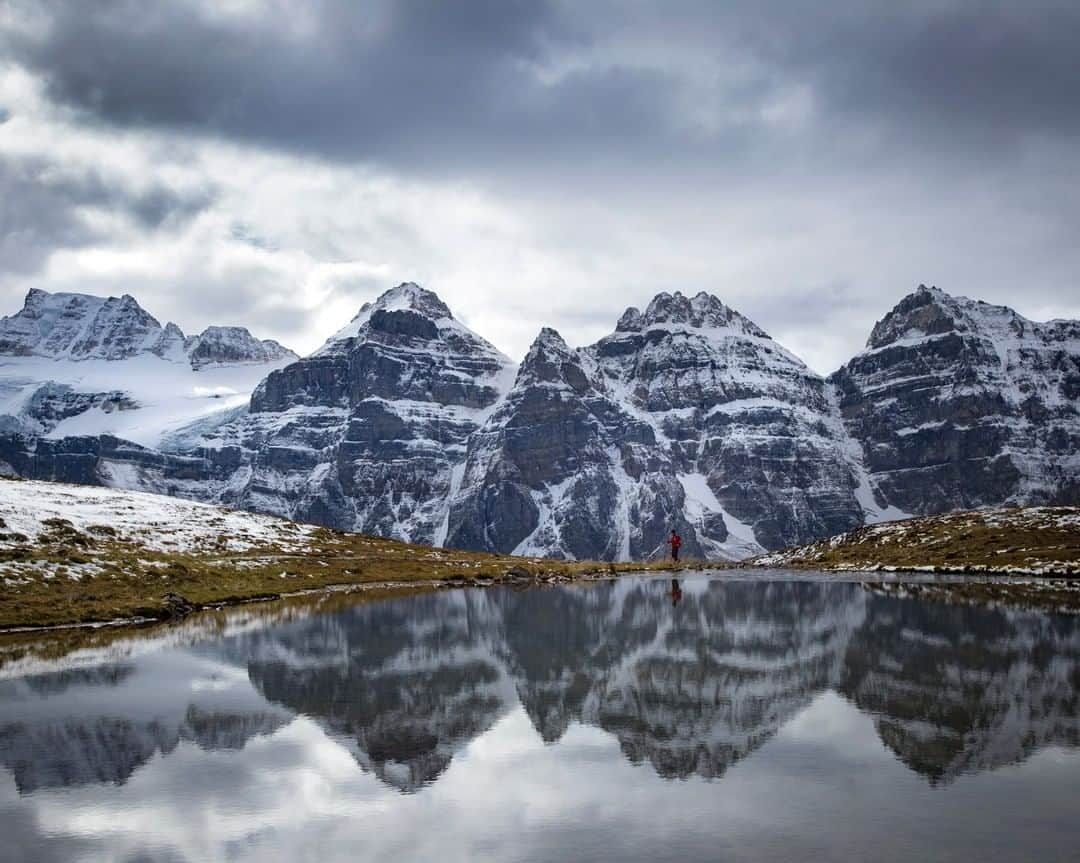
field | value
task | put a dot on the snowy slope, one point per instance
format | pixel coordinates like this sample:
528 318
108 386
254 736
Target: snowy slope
78 365
155 522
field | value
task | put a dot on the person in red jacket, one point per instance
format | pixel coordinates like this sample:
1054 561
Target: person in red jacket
674 541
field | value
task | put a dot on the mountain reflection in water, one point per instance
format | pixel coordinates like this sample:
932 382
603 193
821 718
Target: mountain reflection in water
690 689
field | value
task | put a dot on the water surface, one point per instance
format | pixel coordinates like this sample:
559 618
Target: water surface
622 721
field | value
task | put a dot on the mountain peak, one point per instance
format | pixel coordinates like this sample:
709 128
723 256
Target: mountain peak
929 311
410 296
550 339
406 297
701 311
78 326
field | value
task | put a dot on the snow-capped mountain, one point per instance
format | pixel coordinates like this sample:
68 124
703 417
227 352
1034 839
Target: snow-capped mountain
366 433
75 365
84 327
960 404
407 424
687 416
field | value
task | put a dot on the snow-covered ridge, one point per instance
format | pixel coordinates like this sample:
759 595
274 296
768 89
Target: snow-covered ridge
406 297
67 326
702 311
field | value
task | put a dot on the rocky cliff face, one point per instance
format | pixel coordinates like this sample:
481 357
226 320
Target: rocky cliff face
744 424
959 404
365 434
229 345
542 474
687 416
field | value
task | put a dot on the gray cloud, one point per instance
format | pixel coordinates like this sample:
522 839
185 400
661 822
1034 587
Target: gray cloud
457 85
34 219
43 202
808 162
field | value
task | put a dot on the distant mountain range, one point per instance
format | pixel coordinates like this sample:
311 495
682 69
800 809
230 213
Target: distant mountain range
407 424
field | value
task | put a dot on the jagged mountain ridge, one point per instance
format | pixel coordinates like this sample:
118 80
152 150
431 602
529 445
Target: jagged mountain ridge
85 327
405 423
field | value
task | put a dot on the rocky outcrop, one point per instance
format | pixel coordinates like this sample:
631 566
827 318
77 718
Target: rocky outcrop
688 416
230 345
959 404
542 474
743 423
52 403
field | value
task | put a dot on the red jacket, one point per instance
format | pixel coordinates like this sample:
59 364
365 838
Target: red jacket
675 541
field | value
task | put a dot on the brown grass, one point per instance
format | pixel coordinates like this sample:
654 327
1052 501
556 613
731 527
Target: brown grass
68 576
1032 540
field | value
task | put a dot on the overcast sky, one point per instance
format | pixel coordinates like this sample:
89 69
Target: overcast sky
277 164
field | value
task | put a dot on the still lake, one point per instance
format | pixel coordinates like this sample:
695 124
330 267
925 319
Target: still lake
626 721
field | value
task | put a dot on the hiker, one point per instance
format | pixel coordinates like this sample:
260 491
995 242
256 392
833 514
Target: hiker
674 541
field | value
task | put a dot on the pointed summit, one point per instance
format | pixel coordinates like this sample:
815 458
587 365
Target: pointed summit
702 311
925 312
551 360
929 312
406 308
548 341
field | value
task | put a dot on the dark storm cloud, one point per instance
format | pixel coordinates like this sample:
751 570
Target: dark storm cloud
408 80
460 84
42 207
808 162
989 68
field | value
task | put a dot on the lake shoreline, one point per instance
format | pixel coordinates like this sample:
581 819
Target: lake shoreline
147 609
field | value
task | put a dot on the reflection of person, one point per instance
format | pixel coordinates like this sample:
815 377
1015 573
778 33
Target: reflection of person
674 541
676 592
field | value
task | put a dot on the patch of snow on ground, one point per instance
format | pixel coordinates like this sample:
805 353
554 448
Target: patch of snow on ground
156 522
